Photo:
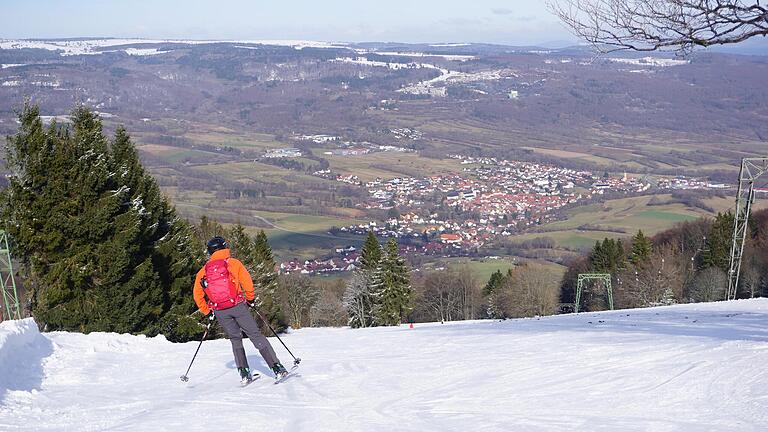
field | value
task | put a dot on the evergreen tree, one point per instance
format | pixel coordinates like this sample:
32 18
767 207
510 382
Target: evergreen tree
265 280
598 258
370 256
491 290
719 242
494 283
242 247
607 256
95 231
641 248
163 255
207 229
392 287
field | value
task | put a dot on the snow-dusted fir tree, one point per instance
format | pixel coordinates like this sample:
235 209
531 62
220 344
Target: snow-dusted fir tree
242 247
392 287
106 248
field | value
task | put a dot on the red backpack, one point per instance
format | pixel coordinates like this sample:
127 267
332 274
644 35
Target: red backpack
219 286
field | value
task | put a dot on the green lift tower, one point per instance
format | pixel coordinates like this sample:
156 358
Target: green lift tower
585 278
11 308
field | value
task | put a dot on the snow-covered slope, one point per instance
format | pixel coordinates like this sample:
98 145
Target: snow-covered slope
680 368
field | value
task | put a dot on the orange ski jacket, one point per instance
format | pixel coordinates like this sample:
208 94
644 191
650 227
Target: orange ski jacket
237 271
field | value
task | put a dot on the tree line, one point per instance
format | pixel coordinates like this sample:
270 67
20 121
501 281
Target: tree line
688 263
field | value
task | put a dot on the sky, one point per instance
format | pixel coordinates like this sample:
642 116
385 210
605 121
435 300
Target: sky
515 22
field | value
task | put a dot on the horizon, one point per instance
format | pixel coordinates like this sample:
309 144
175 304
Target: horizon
516 23
504 22
755 46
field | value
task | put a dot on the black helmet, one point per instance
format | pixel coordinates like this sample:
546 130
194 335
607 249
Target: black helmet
216 243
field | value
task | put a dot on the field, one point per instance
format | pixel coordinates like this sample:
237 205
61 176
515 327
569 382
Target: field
482 268
622 218
572 155
388 165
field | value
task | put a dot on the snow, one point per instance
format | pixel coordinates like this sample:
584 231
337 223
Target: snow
650 61
694 367
447 77
144 51
451 45
390 65
451 57
22 348
99 46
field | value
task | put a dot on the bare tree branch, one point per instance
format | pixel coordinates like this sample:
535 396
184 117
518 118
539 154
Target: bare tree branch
659 25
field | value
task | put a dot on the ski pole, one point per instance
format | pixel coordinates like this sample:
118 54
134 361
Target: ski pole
296 360
184 377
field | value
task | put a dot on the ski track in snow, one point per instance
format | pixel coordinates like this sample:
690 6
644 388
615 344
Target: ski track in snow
680 368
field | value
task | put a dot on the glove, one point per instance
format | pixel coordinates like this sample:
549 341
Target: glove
211 316
251 303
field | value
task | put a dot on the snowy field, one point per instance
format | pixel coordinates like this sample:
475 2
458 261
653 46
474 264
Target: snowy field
680 368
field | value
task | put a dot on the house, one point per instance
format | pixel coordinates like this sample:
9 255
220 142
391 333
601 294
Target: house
450 238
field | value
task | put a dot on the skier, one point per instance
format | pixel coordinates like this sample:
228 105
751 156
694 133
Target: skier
222 289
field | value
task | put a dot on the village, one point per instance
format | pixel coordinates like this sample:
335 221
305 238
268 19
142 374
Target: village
459 214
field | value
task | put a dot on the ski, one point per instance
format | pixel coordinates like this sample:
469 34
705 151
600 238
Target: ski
247 383
287 374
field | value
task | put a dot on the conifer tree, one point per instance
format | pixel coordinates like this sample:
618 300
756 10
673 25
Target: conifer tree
265 281
105 246
207 229
598 258
641 248
392 287
490 291
719 241
607 256
370 256
496 281
242 247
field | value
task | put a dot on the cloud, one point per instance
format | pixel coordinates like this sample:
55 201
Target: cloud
502 11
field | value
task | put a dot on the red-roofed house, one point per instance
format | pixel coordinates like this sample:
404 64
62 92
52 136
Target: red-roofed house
450 238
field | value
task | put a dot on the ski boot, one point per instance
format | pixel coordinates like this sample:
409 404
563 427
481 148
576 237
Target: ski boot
245 375
279 370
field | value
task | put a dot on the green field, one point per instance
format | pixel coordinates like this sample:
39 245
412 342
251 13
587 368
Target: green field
482 268
174 155
230 138
617 218
388 165
291 235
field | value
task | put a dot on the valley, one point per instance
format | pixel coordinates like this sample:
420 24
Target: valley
315 142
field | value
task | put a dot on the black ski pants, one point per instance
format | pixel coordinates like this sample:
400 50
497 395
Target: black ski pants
235 321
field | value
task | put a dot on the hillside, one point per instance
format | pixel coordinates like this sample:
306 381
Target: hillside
285 136
696 367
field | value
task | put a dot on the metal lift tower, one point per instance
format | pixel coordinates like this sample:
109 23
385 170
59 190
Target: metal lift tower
11 308
751 169
588 277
